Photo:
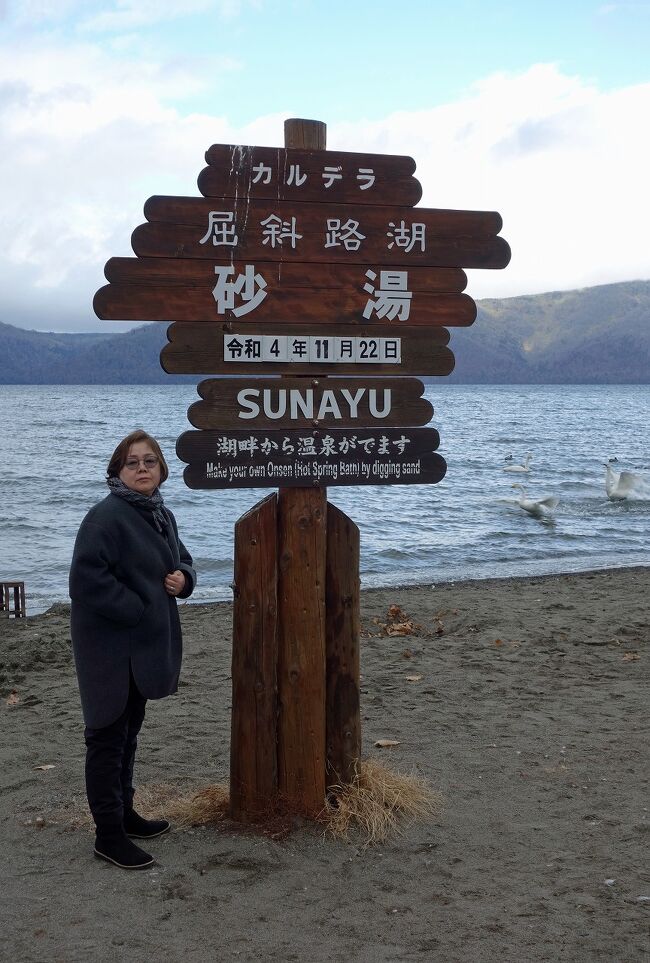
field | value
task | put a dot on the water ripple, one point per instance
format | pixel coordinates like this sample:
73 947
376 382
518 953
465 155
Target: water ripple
468 526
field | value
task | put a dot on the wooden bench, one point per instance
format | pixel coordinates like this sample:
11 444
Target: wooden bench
17 591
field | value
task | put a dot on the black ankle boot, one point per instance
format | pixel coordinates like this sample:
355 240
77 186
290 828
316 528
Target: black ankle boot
113 845
140 828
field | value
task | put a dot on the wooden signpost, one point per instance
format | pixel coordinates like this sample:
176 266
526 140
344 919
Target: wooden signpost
310 275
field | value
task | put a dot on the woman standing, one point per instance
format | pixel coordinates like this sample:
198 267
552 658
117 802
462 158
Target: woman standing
129 567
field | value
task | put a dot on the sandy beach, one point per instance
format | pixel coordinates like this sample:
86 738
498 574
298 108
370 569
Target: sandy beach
527 708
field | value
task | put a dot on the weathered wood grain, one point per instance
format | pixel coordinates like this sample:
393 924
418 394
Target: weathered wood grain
299 402
177 302
161 239
303 274
426 469
311 219
235 171
242 157
253 739
388 188
288 446
301 640
342 602
301 133
197 348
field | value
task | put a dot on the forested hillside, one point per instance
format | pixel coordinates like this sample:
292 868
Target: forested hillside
593 335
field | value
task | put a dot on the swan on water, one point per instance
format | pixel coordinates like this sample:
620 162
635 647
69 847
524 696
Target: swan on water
539 507
519 468
621 485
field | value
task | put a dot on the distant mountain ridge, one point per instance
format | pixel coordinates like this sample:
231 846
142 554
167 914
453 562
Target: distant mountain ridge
588 336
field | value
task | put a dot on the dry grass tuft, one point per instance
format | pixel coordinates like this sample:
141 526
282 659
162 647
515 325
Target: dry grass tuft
200 807
376 805
209 807
377 802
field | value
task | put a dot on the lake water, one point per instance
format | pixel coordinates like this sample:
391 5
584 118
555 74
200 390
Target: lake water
56 441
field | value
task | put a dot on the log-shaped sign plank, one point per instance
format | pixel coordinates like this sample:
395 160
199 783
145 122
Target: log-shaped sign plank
304 175
300 402
178 302
293 458
312 219
164 270
281 231
164 289
242 446
278 349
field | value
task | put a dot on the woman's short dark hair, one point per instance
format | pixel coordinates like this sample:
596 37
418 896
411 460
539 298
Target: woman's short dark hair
119 456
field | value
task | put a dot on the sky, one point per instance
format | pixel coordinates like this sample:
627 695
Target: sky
536 110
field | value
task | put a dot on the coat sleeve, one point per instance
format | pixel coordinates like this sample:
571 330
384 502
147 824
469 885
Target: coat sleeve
186 565
187 568
93 582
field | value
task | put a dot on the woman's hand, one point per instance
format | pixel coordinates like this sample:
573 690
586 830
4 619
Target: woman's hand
174 582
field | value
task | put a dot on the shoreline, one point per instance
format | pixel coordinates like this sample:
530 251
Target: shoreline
502 579
416 586
522 700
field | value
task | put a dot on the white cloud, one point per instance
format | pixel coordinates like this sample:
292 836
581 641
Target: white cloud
565 165
87 135
84 139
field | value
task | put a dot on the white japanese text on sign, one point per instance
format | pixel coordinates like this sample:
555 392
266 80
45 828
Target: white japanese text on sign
293 175
308 445
242 293
275 232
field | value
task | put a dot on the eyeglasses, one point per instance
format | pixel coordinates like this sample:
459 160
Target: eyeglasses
149 461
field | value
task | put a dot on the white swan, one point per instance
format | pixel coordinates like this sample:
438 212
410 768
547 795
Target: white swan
539 507
519 468
621 485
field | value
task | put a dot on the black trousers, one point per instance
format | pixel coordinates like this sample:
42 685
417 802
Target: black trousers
110 754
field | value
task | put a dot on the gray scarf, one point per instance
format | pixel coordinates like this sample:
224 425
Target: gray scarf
149 503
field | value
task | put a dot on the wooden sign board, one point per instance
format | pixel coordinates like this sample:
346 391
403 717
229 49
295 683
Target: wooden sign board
307 175
244 459
310 275
301 402
282 231
313 219
165 289
280 349
161 239
246 297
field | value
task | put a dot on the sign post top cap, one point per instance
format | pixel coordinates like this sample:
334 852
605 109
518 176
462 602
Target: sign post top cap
310 134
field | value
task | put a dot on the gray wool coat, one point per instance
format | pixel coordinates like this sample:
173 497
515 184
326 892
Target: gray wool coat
121 616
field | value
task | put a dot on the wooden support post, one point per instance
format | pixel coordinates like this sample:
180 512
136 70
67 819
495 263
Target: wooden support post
342 602
301 640
295 667
308 134
301 606
253 751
